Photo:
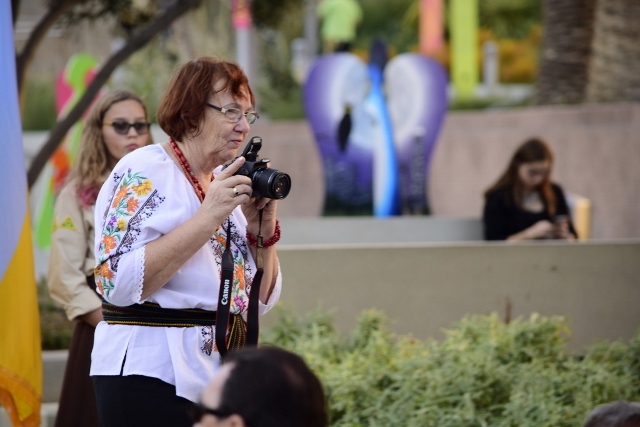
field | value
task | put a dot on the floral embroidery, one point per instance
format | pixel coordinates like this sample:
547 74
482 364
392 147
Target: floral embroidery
240 302
108 243
239 273
122 193
122 228
104 271
207 336
132 204
242 274
142 189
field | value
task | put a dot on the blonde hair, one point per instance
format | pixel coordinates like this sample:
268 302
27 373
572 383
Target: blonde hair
92 161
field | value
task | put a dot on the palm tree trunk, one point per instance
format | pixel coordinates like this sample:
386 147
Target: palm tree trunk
565 51
614 74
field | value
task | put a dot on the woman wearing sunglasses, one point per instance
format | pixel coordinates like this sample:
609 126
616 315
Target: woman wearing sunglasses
177 254
524 204
116 125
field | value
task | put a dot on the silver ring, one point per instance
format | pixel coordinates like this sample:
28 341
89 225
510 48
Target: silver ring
236 193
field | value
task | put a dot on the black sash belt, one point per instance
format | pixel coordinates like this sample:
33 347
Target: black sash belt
232 331
150 314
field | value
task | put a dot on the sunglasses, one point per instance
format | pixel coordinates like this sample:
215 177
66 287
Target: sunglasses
122 127
197 410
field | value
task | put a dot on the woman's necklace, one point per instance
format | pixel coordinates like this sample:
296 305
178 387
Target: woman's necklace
195 183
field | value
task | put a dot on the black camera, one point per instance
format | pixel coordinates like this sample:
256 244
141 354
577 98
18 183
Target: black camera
265 182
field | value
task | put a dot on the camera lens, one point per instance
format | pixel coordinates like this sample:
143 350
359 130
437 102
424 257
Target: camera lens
271 183
281 185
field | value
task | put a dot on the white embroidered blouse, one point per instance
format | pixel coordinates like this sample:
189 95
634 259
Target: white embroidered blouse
145 197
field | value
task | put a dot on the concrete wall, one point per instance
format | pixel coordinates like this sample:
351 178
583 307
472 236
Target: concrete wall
425 287
341 230
597 151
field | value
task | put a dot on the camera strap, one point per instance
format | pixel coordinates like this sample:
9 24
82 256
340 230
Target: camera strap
253 322
240 333
224 299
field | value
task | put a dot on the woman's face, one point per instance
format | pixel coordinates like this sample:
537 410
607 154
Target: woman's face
117 116
532 174
211 398
222 136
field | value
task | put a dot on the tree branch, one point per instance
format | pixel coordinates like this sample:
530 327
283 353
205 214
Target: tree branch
135 43
15 11
24 58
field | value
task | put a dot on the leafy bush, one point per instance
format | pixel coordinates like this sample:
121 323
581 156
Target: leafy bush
147 74
462 103
279 95
39 111
484 373
55 328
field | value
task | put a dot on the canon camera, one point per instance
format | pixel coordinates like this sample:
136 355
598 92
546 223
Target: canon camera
265 182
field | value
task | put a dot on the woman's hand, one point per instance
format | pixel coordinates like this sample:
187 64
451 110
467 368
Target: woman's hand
561 228
540 230
225 193
251 212
93 317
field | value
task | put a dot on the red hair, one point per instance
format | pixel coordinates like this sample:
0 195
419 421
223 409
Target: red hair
183 105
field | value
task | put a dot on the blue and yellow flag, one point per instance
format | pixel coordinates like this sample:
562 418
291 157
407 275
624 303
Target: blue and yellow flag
20 351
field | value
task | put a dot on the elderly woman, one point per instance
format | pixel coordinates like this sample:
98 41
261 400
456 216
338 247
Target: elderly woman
169 221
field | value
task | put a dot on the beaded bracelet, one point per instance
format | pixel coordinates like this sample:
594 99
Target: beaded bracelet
253 241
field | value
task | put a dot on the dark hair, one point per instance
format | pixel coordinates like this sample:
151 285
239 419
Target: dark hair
183 104
532 150
615 414
272 387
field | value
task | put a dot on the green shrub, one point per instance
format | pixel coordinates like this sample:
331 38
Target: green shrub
277 106
55 328
39 112
147 73
484 373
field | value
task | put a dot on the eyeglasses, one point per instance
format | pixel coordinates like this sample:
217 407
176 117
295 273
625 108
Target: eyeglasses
533 173
234 115
197 410
122 127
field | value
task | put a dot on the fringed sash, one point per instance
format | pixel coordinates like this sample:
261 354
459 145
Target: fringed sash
150 314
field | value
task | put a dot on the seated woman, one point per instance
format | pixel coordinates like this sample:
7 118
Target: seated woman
524 204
